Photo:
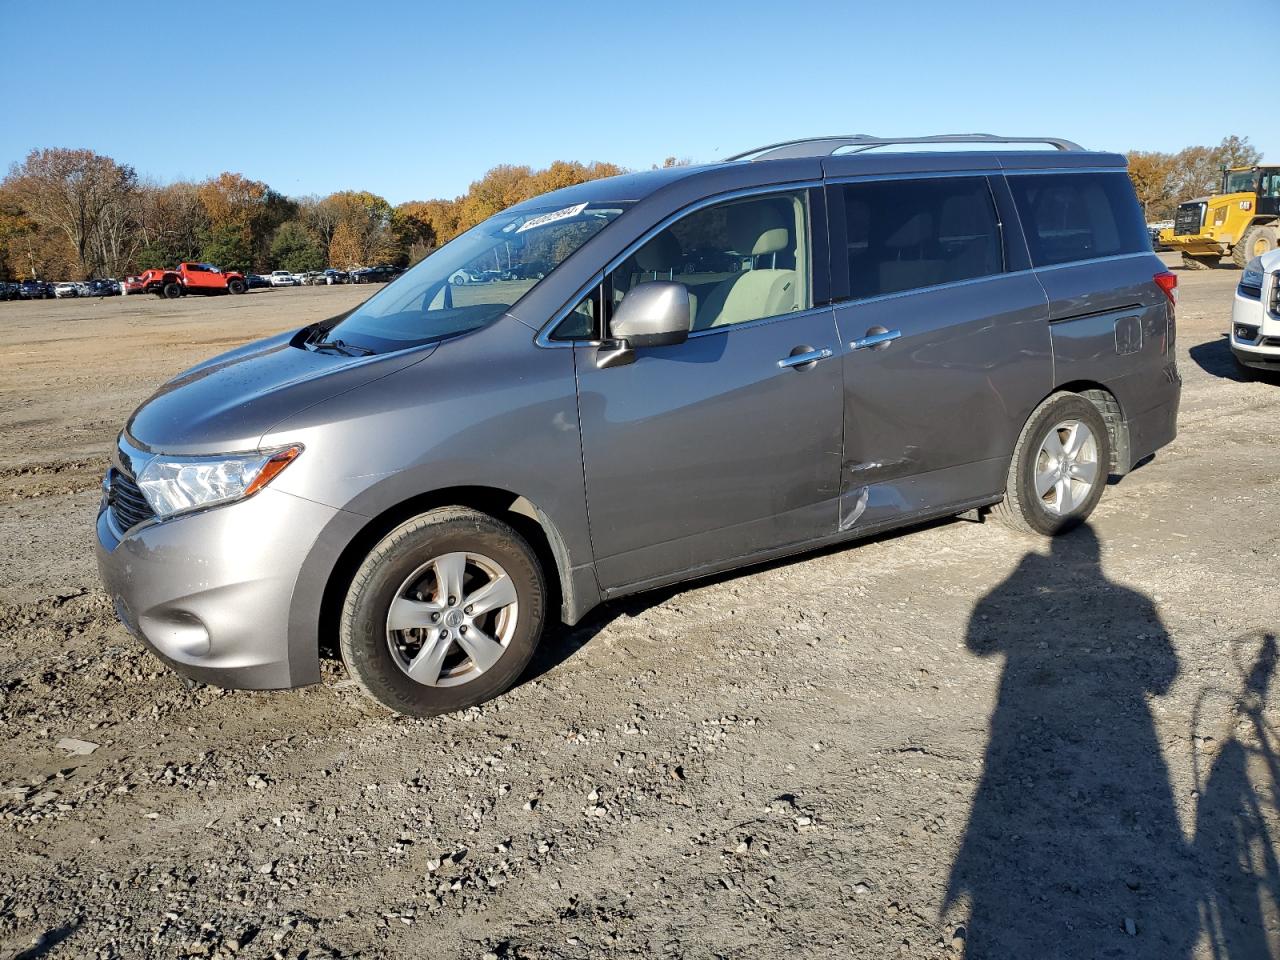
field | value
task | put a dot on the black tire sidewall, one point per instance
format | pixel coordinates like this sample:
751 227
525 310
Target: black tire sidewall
397 556
1033 511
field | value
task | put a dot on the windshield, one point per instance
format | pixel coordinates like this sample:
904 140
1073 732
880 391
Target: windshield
473 279
1242 181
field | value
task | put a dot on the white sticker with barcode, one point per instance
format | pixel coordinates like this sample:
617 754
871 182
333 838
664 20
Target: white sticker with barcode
543 219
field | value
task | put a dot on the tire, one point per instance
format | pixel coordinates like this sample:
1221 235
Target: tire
235 287
171 290
401 566
1257 240
1198 262
1024 509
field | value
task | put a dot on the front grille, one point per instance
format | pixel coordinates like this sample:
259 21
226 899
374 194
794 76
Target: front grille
128 506
1188 220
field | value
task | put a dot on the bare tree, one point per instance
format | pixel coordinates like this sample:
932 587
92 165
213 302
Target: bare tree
72 192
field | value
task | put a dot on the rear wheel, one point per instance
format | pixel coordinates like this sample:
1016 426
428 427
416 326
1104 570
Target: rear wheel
1199 262
444 613
1059 467
235 286
171 290
1256 241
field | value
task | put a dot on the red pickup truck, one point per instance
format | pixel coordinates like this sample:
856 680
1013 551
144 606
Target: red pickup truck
192 278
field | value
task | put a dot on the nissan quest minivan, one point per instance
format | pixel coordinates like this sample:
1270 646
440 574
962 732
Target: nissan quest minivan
685 371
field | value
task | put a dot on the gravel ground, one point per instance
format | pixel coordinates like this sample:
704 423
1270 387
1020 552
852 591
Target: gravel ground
950 742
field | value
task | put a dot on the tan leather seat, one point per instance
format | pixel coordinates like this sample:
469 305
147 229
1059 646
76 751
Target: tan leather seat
762 230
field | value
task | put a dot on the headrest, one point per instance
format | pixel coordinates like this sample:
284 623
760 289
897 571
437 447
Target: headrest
660 254
913 233
757 228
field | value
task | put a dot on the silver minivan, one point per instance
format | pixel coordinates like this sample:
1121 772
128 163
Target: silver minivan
656 377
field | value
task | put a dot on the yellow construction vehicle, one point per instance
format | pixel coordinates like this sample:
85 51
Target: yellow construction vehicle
1243 221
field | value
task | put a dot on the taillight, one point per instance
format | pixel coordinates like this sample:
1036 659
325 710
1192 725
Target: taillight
1168 282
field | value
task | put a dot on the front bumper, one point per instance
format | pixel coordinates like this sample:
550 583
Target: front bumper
211 593
1255 329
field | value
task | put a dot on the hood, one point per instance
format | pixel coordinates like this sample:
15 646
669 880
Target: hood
226 404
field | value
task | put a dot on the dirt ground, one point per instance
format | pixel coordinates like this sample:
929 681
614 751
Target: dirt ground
949 742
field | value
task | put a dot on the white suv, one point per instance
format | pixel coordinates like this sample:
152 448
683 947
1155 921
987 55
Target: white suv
1255 316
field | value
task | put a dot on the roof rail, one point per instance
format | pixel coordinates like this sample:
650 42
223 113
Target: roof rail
861 142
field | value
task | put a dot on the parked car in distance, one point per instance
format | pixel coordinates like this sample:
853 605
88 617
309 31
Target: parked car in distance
462 277
964 332
104 288
283 278
533 270
1255 315
379 274
10 291
68 289
203 278
131 285
36 290
332 276
255 281
712 261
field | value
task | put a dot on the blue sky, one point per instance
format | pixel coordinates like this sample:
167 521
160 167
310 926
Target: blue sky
416 100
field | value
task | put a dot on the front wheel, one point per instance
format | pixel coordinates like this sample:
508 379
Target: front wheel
1059 467
444 613
235 287
1256 241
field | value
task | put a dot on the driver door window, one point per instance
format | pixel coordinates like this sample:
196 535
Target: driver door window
741 260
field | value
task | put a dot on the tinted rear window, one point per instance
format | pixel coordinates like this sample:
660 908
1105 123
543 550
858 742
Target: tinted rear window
1079 216
907 234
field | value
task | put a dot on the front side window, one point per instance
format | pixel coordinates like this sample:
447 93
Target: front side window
1079 216
741 260
472 280
909 234
1242 181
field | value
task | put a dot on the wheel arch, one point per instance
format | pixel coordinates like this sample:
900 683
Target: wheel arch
506 505
1109 406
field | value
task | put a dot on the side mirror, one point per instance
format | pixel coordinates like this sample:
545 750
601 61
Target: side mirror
653 314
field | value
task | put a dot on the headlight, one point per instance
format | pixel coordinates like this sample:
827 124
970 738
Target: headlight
1252 276
177 484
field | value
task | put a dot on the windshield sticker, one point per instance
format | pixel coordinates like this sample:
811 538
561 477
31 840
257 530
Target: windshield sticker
544 219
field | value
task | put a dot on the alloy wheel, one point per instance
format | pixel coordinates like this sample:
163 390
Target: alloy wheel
452 619
1066 467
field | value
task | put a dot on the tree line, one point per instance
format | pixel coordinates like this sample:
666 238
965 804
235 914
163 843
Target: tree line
78 214
1163 180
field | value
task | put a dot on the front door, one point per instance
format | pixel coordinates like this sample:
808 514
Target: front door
726 446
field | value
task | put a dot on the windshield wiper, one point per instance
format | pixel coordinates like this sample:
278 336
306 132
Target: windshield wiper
342 347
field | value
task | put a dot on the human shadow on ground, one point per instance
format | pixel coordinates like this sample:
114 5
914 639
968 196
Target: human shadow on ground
1073 847
1233 842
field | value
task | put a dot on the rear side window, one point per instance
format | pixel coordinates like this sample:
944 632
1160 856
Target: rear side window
907 234
1078 216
